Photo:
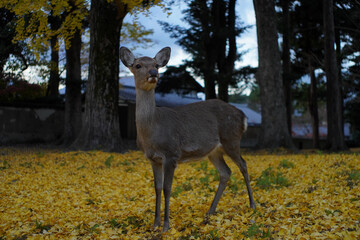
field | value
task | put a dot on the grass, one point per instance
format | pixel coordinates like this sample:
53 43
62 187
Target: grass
186 186
235 184
257 231
212 235
286 164
353 177
131 222
42 227
5 165
109 160
271 178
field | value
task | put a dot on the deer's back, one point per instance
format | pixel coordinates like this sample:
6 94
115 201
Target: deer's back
214 111
199 128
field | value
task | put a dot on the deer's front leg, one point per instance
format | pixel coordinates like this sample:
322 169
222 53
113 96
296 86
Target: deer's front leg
169 168
158 184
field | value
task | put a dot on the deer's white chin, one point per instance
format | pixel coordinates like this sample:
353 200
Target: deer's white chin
152 80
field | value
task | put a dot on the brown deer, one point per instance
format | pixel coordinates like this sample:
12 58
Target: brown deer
169 136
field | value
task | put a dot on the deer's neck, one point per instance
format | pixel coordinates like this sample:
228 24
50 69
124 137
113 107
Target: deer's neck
145 111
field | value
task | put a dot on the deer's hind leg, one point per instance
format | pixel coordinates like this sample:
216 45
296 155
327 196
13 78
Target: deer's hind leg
233 151
217 159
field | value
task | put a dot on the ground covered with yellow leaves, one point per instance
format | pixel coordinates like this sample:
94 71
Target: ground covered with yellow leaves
50 194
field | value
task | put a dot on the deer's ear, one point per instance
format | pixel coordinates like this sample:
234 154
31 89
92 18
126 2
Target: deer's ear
127 57
163 56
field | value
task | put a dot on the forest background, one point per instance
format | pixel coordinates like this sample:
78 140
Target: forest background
323 46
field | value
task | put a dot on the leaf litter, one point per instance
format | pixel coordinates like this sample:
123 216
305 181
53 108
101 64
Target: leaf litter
49 194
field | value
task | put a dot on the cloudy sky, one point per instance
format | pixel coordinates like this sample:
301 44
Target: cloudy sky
246 42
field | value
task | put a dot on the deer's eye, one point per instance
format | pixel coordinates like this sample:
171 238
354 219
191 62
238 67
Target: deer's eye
138 66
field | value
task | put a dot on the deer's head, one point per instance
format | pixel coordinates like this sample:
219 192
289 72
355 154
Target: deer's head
145 69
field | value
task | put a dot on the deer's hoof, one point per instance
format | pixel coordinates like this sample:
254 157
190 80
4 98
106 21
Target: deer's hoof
166 227
156 225
253 206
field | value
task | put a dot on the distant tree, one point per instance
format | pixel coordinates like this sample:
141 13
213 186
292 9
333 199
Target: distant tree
307 44
227 53
286 63
7 46
73 95
352 106
306 41
211 40
55 22
42 25
273 110
336 140
247 81
14 89
347 40
252 100
199 41
246 75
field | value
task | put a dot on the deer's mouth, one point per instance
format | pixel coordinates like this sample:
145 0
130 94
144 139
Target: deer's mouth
152 79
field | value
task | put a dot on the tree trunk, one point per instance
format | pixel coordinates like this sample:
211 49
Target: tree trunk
209 80
209 51
335 136
223 88
101 121
273 110
226 57
339 61
286 62
54 79
73 113
220 32
313 106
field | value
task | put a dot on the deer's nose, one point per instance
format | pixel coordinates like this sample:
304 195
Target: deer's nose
153 73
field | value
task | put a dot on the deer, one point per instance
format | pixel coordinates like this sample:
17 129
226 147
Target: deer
170 136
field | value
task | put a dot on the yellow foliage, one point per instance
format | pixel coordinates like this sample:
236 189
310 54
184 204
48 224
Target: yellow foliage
33 24
50 194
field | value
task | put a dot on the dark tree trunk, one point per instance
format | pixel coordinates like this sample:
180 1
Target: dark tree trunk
73 113
101 121
273 110
313 106
338 51
223 87
226 57
335 136
220 33
209 80
54 79
210 52
339 61
286 62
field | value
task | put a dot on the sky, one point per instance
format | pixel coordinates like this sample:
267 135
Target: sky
246 42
